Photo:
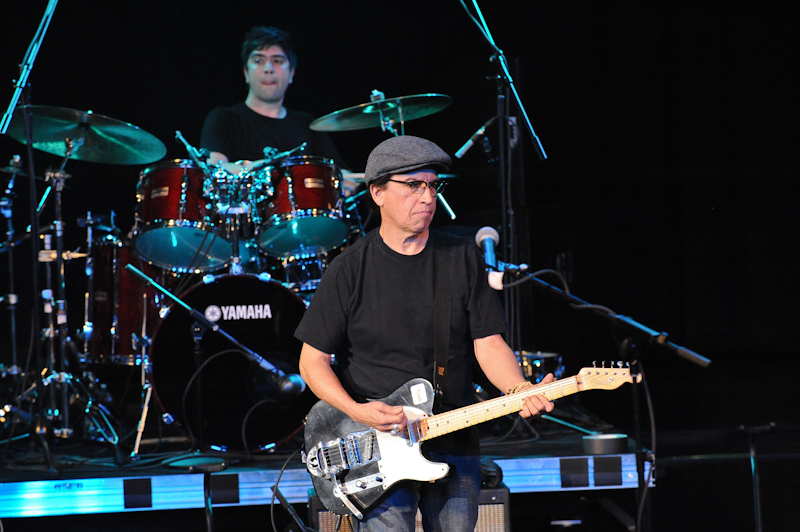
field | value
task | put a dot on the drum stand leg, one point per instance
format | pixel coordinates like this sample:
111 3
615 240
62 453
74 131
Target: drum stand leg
140 428
147 388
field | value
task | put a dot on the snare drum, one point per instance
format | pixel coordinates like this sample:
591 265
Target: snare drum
175 221
305 215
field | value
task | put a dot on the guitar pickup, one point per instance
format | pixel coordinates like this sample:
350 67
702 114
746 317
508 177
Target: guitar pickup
329 459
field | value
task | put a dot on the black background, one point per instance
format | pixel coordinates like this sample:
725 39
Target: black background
671 131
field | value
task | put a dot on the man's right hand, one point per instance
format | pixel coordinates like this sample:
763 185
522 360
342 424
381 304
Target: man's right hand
380 416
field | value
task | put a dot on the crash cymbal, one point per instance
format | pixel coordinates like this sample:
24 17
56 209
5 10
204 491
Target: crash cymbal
368 115
105 140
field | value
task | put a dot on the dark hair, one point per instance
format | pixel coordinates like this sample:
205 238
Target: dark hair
261 37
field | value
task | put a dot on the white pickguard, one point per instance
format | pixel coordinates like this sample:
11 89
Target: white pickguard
401 461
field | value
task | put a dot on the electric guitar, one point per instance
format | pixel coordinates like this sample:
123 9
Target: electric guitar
352 465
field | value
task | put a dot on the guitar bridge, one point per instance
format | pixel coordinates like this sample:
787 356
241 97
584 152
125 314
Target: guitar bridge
329 459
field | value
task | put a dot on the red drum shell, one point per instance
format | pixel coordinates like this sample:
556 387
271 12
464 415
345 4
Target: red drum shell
305 217
175 226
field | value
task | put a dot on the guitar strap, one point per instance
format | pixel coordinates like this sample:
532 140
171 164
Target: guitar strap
443 273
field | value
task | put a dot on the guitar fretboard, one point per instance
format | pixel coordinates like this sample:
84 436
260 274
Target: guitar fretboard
461 418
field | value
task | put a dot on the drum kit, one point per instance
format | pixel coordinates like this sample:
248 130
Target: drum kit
258 235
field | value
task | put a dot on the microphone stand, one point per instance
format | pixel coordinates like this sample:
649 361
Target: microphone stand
631 327
629 348
40 429
506 87
205 322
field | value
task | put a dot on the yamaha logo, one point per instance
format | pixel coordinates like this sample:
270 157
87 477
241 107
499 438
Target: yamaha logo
238 312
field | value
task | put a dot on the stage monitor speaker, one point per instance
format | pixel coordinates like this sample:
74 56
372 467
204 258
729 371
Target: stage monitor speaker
493 514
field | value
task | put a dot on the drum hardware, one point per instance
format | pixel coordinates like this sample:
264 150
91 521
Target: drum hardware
118 314
304 274
272 155
97 416
54 294
536 365
83 136
7 210
386 112
235 189
188 338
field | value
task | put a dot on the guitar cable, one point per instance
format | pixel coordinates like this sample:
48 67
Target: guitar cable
275 493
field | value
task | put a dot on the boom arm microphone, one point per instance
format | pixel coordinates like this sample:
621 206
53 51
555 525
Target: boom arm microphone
473 139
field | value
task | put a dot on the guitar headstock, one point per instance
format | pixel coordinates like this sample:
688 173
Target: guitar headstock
606 378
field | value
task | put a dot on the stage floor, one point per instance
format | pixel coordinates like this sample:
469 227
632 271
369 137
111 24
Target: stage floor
541 456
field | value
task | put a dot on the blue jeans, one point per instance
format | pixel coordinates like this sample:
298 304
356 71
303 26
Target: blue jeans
447 505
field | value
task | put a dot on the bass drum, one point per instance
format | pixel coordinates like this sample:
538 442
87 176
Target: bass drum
230 392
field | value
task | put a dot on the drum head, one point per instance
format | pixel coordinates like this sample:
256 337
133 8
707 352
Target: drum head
303 234
231 391
183 246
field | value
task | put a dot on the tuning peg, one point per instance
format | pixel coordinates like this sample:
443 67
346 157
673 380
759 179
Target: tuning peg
594 363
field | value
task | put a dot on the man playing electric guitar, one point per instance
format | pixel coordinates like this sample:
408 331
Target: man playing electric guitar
402 303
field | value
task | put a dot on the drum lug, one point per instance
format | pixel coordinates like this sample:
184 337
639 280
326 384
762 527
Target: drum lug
184 188
290 188
139 343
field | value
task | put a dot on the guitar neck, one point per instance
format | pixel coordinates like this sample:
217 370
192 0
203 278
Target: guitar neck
461 418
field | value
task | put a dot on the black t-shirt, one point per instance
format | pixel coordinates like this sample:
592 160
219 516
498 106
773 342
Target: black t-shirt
242 134
374 309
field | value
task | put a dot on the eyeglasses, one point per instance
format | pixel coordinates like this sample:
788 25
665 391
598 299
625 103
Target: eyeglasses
418 187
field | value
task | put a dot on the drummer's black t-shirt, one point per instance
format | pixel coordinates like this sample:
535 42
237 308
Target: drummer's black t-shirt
242 134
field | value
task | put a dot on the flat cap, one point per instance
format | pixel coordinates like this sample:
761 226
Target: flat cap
404 154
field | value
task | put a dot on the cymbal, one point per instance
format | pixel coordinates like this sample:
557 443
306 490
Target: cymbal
17 171
368 115
105 140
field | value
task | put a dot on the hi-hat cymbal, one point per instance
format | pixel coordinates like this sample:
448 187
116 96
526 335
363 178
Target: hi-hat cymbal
17 171
368 115
105 139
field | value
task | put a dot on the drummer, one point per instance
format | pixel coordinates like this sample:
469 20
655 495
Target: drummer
243 130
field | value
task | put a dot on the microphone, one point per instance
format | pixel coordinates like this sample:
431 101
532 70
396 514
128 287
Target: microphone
473 139
288 383
291 384
487 238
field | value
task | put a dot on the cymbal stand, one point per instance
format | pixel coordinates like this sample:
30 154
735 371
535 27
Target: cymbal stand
388 123
88 298
7 209
58 328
